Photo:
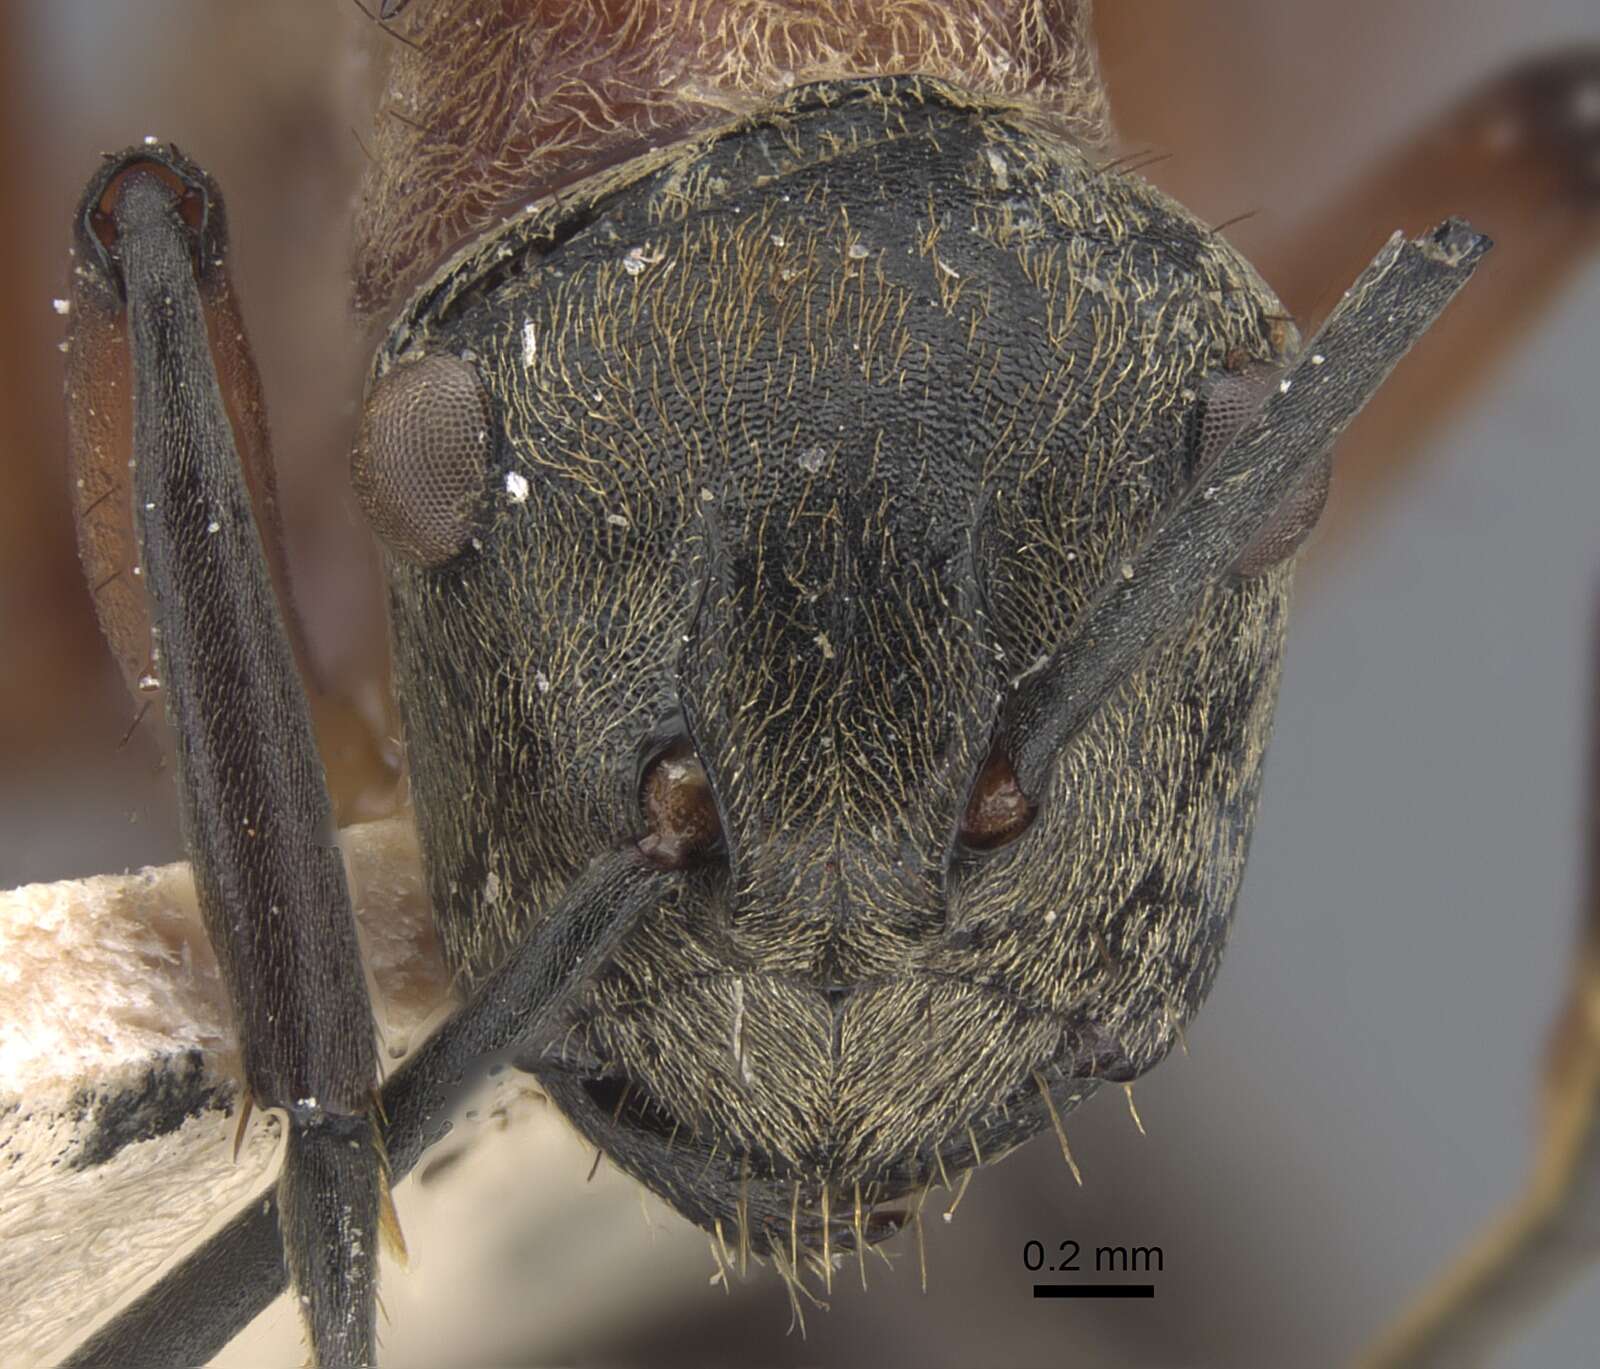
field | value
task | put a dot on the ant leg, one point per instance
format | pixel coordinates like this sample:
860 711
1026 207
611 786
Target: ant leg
153 319
214 1294
1518 155
1549 1235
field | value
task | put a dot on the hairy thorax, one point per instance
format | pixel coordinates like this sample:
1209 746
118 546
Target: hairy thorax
561 90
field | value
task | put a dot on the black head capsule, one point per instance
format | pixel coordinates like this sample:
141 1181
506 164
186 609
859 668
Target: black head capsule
852 483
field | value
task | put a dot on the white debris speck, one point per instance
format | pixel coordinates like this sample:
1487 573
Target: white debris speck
997 164
1285 385
812 458
824 645
778 240
950 270
616 520
1050 918
542 681
1317 358
491 888
1127 570
517 487
63 347
948 1216
706 497
149 683
213 526
530 342
635 259
1210 492
857 251
61 306
150 140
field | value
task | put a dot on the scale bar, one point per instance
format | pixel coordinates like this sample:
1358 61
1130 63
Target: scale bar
1094 1290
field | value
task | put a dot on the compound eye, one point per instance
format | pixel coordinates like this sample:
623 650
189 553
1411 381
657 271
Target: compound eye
998 812
680 816
1231 401
422 460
